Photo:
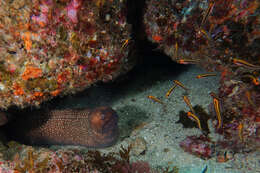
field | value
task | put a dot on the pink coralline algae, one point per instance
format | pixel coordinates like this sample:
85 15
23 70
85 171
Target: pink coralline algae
52 48
72 10
198 146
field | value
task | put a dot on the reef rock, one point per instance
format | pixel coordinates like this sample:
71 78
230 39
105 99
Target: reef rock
50 48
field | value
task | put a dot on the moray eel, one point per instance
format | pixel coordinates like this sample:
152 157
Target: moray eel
95 128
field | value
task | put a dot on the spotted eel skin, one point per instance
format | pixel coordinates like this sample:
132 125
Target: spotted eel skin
86 127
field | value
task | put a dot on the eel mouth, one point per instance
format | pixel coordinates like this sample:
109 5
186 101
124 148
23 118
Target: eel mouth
108 139
110 124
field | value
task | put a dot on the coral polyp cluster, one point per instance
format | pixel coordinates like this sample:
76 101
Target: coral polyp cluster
50 48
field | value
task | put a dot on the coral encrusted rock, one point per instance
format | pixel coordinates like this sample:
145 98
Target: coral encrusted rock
58 47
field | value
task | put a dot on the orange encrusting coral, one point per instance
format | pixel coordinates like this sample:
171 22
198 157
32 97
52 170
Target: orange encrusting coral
17 89
27 41
38 94
157 38
31 72
55 92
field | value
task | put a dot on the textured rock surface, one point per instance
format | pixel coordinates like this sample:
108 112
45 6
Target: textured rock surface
208 33
90 128
50 48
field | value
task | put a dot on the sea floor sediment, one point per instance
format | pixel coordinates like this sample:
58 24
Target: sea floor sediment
155 123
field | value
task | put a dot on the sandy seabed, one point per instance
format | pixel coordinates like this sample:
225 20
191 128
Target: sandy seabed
156 123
